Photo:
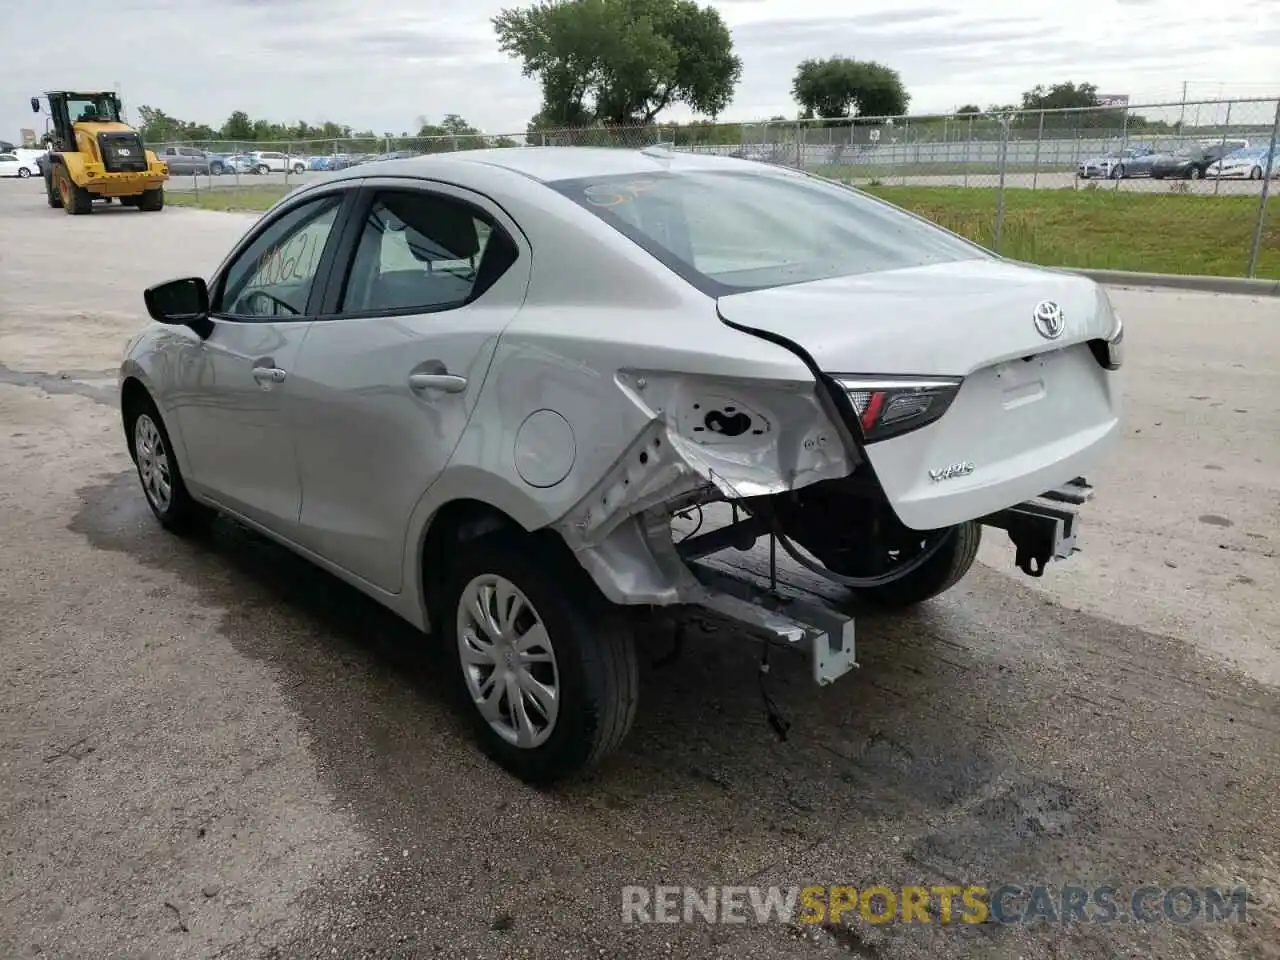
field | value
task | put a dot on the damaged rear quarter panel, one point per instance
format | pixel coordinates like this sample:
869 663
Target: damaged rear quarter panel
643 392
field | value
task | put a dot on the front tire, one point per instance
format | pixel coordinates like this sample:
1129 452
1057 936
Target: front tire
23 173
299 169
262 169
1118 173
546 666
158 471
75 200
935 576
1255 173
151 200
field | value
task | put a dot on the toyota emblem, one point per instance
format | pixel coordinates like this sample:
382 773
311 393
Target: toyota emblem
1048 320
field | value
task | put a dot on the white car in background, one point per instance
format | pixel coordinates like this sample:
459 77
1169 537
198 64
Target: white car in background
503 377
1248 164
269 161
16 165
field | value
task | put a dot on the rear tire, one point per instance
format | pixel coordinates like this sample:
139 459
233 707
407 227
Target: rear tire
162 484
1118 173
1194 173
935 576
23 173
1255 173
151 200
51 193
586 651
262 169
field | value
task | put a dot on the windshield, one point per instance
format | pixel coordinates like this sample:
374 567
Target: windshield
100 108
731 232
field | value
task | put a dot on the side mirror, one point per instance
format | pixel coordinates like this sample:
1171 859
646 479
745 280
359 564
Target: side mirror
35 104
182 302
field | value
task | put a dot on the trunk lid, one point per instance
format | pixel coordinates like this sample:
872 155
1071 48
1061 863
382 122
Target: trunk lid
1032 412
945 319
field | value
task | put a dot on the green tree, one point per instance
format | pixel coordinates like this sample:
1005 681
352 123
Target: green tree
1083 98
156 126
1060 96
237 127
840 87
621 61
969 108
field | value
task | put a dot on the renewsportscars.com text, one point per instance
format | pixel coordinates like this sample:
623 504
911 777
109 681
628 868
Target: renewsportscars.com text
1004 904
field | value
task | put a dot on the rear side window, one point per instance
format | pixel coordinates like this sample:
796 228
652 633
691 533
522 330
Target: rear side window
732 232
422 252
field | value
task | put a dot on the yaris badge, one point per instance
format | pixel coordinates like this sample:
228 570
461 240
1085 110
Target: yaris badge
961 469
1048 319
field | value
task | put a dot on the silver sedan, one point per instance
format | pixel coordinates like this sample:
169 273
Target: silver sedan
486 388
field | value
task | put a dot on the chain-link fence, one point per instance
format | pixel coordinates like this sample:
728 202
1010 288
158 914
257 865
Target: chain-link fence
1172 188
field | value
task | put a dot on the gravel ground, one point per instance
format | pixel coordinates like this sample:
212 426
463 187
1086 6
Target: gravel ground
218 751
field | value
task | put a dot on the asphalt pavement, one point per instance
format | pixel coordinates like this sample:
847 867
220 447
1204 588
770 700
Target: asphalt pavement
215 750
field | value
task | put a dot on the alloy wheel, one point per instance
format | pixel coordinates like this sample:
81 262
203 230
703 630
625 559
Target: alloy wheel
508 661
153 463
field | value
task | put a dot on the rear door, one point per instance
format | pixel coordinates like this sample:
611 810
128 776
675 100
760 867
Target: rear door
428 278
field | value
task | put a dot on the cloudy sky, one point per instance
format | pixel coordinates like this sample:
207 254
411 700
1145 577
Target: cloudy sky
382 63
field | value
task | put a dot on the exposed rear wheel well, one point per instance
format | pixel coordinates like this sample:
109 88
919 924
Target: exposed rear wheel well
458 523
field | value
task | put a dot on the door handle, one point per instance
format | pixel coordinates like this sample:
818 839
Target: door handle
444 382
269 374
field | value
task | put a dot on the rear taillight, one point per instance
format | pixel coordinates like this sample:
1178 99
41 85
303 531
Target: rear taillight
887 407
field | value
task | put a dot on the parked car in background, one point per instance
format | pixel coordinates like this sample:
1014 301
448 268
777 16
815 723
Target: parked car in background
336 161
1129 162
1189 163
1232 144
239 163
271 161
218 163
12 165
183 161
1247 164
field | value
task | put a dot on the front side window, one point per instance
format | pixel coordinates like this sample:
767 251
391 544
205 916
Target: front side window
423 251
732 232
272 278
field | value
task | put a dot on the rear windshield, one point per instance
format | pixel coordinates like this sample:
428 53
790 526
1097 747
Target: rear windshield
732 232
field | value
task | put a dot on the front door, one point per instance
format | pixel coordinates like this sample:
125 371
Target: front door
234 386
386 384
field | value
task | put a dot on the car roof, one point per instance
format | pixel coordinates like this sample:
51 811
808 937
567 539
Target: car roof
547 164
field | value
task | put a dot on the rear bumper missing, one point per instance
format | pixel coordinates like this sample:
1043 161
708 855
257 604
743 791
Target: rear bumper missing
1043 529
813 621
